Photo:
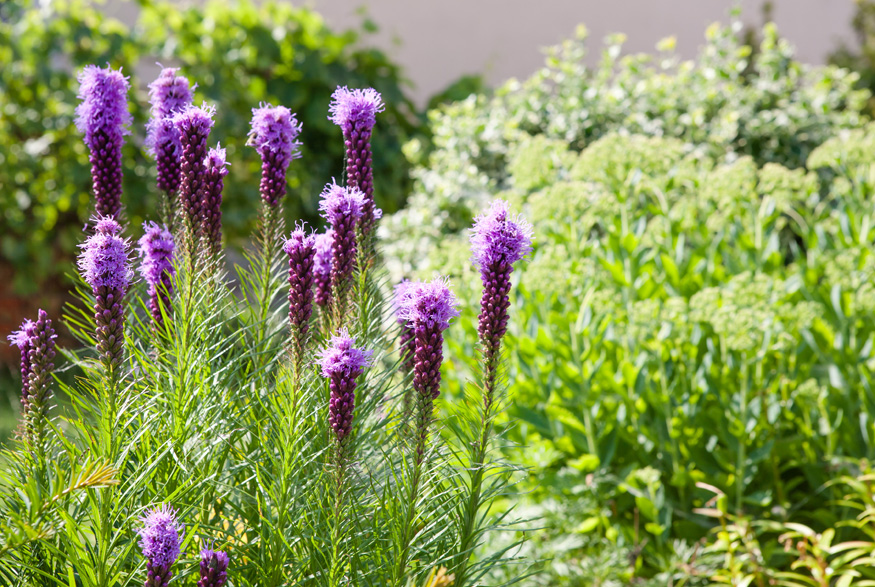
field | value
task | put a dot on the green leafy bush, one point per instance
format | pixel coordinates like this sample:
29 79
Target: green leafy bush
241 53
728 103
684 320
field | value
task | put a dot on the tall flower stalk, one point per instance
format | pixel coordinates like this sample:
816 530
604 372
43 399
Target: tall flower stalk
169 93
406 341
103 117
342 363
498 240
156 268
159 541
342 207
21 339
104 266
193 124
300 248
355 112
427 309
36 341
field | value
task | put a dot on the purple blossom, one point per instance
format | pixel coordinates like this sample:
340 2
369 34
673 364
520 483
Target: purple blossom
274 134
406 342
355 112
40 355
355 108
160 540
216 170
427 309
104 266
21 338
214 567
104 259
103 117
342 207
169 93
342 363
322 267
156 268
194 125
300 247
498 240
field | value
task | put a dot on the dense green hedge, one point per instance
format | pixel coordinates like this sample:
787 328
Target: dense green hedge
699 311
240 53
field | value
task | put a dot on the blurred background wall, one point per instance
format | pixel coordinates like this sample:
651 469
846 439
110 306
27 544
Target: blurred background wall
437 42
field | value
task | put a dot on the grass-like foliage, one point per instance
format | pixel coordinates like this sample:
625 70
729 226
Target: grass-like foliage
230 428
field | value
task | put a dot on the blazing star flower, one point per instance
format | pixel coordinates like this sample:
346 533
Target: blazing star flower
104 266
103 117
300 247
160 540
427 309
21 338
211 205
498 240
156 268
342 207
169 93
194 125
406 345
355 112
274 135
214 567
322 267
342 363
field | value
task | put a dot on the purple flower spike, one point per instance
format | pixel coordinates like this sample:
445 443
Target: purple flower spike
406 343
342 363
103 117
156 268
300 247
274 135
322 267
214 568
194 125
36 341
21 339
159 540
104 266
342 207
168 94
355 112
498 240
216 170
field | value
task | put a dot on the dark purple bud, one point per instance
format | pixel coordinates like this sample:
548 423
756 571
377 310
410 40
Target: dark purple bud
168 94
214 568
194 125
300 248
342 363
211 206
156 268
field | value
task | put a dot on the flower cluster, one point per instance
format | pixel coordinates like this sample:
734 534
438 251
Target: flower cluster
355 112
216 169
342 207
342 363
104 266
427 309
214 568
274 134
300 248
156 268
498 240
193 124
159 541
103 117
169 93
36 343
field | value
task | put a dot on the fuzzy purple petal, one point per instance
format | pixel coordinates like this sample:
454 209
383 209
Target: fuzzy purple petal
355 108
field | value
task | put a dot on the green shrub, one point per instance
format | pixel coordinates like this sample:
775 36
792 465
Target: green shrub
684 320
729 103
241 54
